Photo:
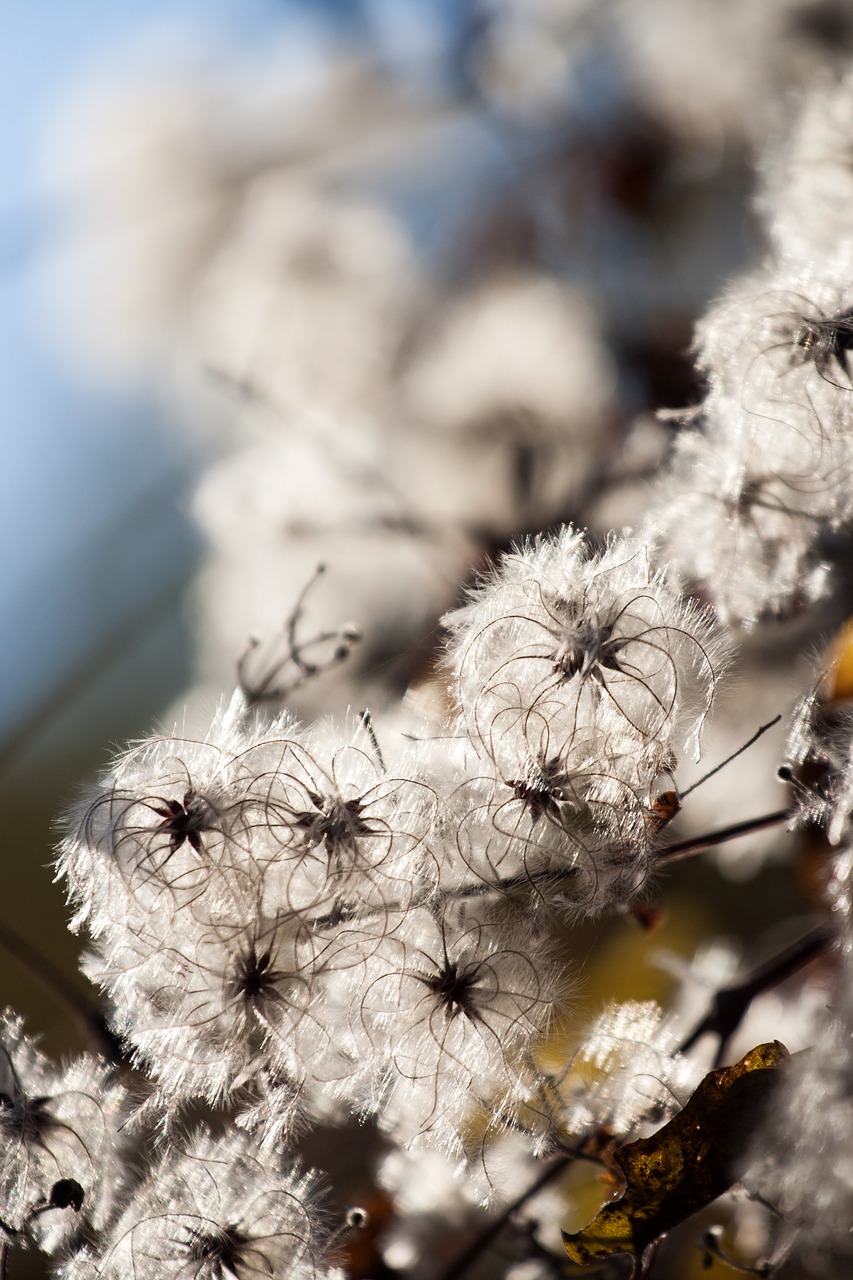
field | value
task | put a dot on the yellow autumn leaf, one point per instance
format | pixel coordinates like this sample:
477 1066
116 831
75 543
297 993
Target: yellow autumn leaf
688 1163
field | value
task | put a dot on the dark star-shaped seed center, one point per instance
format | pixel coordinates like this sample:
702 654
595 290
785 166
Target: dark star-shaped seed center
184 822
335 823
218 1250
456 988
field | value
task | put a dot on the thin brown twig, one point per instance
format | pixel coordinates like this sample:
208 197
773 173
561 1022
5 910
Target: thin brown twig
731 1002
464 1261
695 844
759 733
264 688
644 1263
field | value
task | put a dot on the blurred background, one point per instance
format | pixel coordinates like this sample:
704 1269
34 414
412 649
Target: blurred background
97 473
372 284
375 284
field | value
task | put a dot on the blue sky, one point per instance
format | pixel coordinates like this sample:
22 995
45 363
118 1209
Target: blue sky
81 549
91 501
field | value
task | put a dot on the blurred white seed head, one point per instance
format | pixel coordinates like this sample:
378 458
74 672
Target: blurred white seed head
626 1072
809 181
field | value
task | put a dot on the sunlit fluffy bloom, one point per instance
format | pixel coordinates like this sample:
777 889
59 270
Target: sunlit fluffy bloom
753 548
347 832
210 831
571 832
224 881
171 825
763 475
217 1209
446 1018
626 1071
60 1144
579 649
582 678
208 1009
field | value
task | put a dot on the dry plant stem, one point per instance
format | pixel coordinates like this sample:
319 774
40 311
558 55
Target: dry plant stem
529 879
645 1264
472 1253
265 689
731 1003
760 731
713 1249
295 655
695 844
478 889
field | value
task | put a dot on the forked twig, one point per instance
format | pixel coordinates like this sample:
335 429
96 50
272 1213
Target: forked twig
731 1003
472 1253
268 687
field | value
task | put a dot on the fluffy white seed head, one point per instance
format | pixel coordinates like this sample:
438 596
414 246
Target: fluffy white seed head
218 1208
764 475
739 532
60 1141
446 1018
569 834
225 881
626 1071
581 647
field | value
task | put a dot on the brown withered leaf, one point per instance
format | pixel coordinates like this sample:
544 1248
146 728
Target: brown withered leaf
688 1163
